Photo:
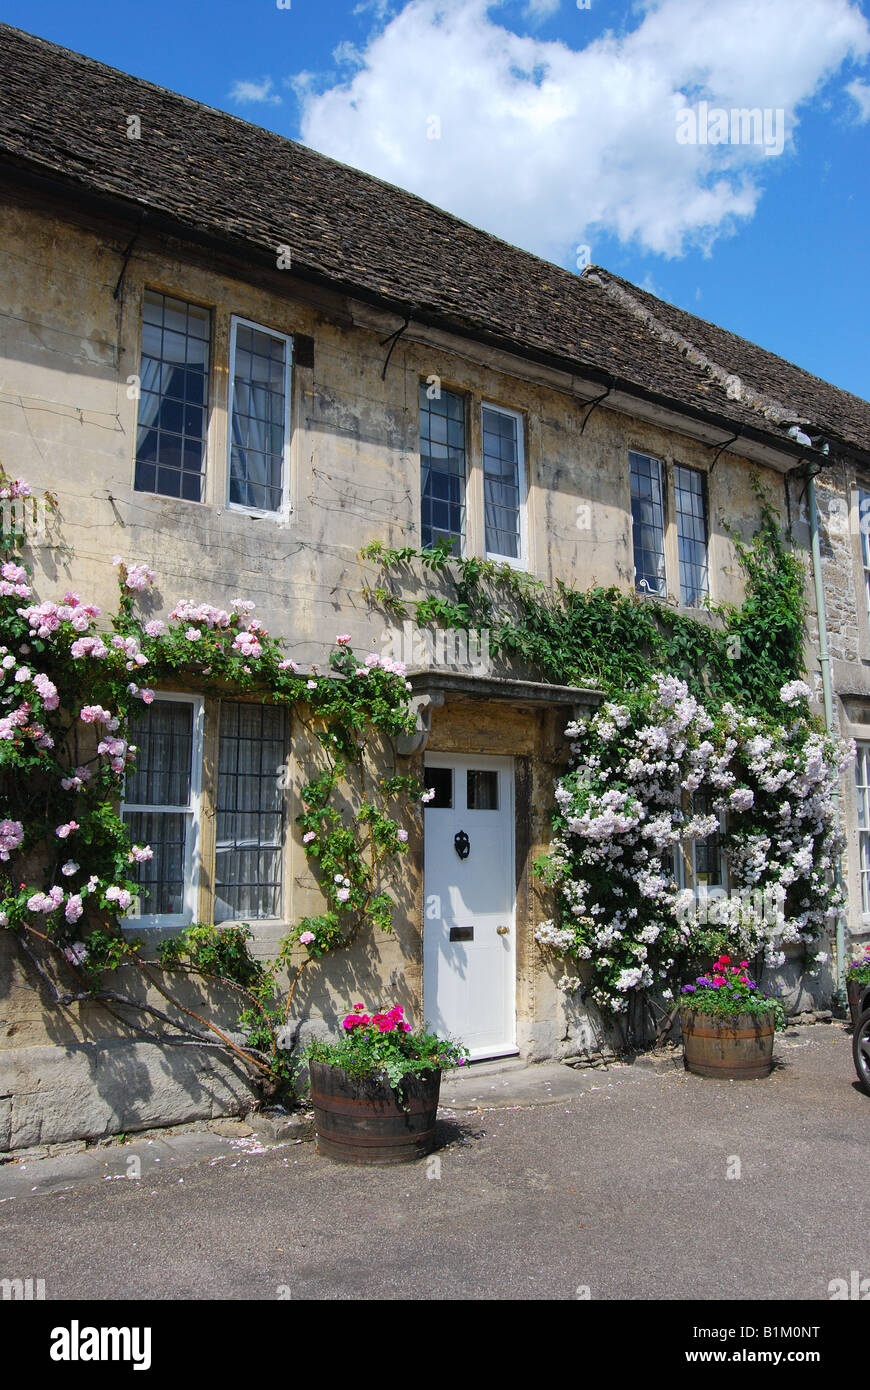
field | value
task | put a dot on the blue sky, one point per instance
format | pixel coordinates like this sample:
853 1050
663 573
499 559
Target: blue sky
554 126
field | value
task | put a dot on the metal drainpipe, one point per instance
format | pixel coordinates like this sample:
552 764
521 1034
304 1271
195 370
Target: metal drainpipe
825 664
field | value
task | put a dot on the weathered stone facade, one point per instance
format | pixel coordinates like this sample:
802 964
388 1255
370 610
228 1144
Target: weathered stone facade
838 487
71 313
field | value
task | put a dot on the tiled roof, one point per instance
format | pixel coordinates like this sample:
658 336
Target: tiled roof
65 116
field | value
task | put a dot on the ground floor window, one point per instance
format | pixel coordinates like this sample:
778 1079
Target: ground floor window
708 856
702 865
208 796
250 812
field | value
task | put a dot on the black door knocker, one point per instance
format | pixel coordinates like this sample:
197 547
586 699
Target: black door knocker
462 844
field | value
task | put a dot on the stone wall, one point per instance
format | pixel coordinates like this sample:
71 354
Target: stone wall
846 606
70 358
79 1073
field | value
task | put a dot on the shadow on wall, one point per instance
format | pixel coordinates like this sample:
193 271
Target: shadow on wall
80 1073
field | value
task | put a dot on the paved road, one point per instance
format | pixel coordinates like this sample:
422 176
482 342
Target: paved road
617 1183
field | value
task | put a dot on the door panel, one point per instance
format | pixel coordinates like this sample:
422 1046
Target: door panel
469 981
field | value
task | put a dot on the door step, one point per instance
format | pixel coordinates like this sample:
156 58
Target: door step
492 1066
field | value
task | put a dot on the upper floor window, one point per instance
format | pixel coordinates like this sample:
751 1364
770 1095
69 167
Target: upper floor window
259 410
647 524
503 483
690 496
442 467
173 398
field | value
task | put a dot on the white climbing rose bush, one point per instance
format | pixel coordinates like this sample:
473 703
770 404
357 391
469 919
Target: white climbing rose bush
625 812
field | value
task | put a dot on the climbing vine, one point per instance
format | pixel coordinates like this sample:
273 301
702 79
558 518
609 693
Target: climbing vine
707 723
71 682
610 640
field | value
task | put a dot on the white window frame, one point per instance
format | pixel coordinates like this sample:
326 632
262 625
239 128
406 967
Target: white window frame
260 921
466 400
521 561
719 889
192 839
664 503
705 497
284 511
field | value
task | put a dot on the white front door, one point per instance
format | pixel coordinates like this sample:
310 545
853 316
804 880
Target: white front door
469 937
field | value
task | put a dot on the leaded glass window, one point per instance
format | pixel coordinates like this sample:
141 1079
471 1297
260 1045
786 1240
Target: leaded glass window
503 483
173 398
259 411
250 812
690 495
647 524
161 806
442 467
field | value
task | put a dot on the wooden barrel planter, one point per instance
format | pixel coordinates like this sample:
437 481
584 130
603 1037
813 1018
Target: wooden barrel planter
732 1049
364 1122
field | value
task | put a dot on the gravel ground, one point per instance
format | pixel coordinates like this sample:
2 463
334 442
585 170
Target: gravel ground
624 1183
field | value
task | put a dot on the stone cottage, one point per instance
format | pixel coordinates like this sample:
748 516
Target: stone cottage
238 361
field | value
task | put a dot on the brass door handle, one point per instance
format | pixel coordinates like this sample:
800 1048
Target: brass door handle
503 931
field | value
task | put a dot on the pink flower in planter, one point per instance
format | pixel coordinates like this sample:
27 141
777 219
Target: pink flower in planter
355 1021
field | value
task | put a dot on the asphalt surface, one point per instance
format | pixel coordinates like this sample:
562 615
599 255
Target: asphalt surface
549 1184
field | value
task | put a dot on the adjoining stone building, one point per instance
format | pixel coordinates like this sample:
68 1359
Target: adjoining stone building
218 349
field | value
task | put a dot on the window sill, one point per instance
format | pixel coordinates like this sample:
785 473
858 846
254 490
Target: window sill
168 497
176 923
282 518
521 564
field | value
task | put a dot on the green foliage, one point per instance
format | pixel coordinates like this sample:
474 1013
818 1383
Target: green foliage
68 870
210 950
610 640
382 1046
859 970
726 992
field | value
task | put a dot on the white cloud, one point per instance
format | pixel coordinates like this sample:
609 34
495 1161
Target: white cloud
537 10
379 8
861 92
244 92
547 145
346 54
